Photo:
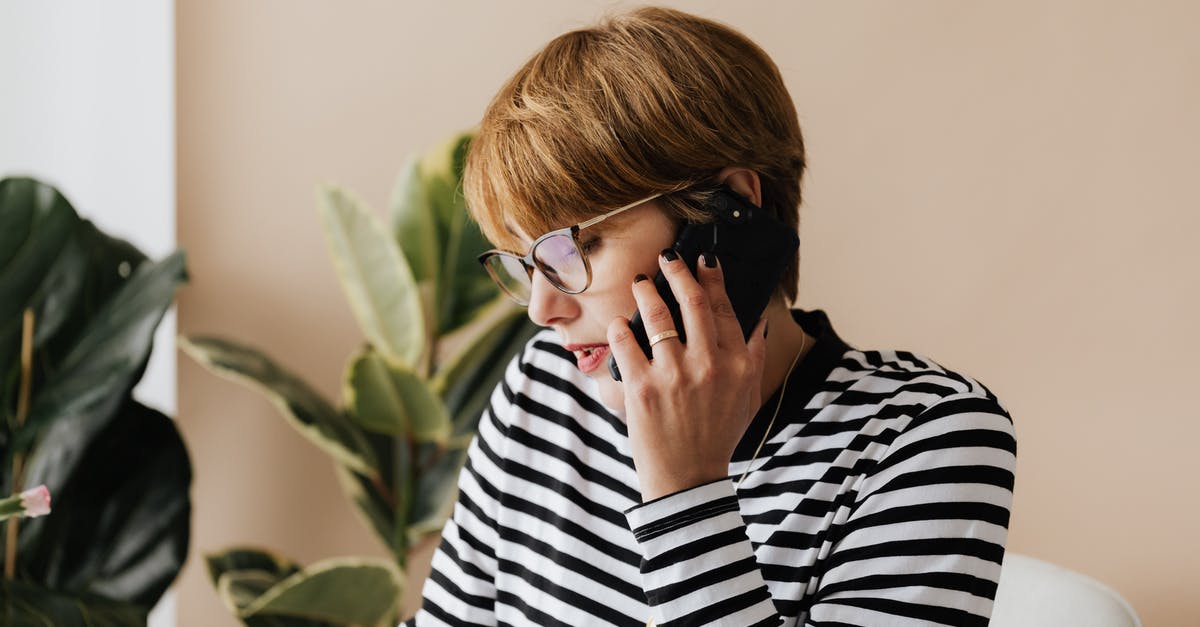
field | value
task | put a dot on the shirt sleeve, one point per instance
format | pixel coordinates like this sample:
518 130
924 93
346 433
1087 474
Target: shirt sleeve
461 587
922 540
698 566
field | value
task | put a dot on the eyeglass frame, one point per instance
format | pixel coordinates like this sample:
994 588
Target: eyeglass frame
530 263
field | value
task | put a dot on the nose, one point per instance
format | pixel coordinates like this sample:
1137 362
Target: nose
549 306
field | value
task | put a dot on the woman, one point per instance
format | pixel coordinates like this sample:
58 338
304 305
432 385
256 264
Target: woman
779 478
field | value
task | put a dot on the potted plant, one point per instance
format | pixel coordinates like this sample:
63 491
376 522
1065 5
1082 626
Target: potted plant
78 310
438 337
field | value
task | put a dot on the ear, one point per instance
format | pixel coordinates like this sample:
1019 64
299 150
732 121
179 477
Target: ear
743 181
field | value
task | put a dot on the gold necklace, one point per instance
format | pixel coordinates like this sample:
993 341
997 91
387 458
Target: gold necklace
783 390
778 404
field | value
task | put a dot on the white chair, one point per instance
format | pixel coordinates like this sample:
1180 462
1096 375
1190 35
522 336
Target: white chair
1033 593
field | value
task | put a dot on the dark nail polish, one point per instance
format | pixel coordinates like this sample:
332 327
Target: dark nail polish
709 259
639 278
669 254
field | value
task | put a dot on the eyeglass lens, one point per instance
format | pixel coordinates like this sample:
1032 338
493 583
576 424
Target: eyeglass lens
557 257
512 276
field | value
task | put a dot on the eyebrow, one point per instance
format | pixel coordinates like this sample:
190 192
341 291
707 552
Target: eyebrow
512 230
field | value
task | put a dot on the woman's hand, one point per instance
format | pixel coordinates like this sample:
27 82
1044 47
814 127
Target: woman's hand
687 409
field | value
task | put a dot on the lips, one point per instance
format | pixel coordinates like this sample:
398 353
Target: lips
589 357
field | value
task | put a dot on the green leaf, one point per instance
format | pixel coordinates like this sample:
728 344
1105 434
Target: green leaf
240 588
391 399
88 271
108 264
463 286
118 471
469 379
375 509
465 346
23 604
302 406
101 367
352 591
415 224
120 524
435 232
248 558
37 222
36 225
376 278
435 492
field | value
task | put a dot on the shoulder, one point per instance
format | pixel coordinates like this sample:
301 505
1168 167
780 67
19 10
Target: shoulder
902 378
922 405
904 395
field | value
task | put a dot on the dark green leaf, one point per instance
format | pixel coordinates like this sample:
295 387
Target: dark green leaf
467 387
35 223
27 605
304 408
108 264
435 492
463 286
119 528
248 558
102 366
89 269
372 500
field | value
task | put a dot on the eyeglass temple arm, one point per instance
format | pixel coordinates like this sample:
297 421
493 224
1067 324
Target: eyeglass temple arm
600 218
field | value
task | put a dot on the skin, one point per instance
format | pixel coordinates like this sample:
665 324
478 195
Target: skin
687 409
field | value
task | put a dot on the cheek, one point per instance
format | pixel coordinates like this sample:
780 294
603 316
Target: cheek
611 293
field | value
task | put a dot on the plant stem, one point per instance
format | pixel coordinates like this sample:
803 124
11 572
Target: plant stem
10 553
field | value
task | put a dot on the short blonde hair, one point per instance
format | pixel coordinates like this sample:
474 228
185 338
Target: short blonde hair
655 100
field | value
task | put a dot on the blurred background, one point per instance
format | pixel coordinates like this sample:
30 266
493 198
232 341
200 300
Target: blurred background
1002 186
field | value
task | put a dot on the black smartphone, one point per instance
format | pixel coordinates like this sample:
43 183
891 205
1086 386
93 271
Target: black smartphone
753 248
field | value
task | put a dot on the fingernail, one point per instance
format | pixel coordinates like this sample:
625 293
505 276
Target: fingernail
669 254
709 259
639 278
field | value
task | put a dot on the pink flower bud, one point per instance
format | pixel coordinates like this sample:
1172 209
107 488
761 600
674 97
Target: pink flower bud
36 501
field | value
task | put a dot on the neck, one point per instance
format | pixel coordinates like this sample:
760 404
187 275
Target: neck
785 339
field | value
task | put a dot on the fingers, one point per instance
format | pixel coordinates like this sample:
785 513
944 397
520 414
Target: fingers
624 348
707 313
693 301
656 317
727 331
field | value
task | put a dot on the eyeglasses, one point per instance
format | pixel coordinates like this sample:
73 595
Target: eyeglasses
558 255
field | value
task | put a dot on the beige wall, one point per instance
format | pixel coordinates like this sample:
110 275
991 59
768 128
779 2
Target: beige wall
1003 186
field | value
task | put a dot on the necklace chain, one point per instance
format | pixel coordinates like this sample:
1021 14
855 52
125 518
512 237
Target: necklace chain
783 390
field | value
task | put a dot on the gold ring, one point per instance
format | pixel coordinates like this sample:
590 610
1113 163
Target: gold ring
665 335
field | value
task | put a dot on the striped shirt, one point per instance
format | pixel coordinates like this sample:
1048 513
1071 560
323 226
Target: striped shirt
881 497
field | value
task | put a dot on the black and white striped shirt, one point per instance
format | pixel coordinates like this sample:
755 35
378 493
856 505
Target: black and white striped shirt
881 497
